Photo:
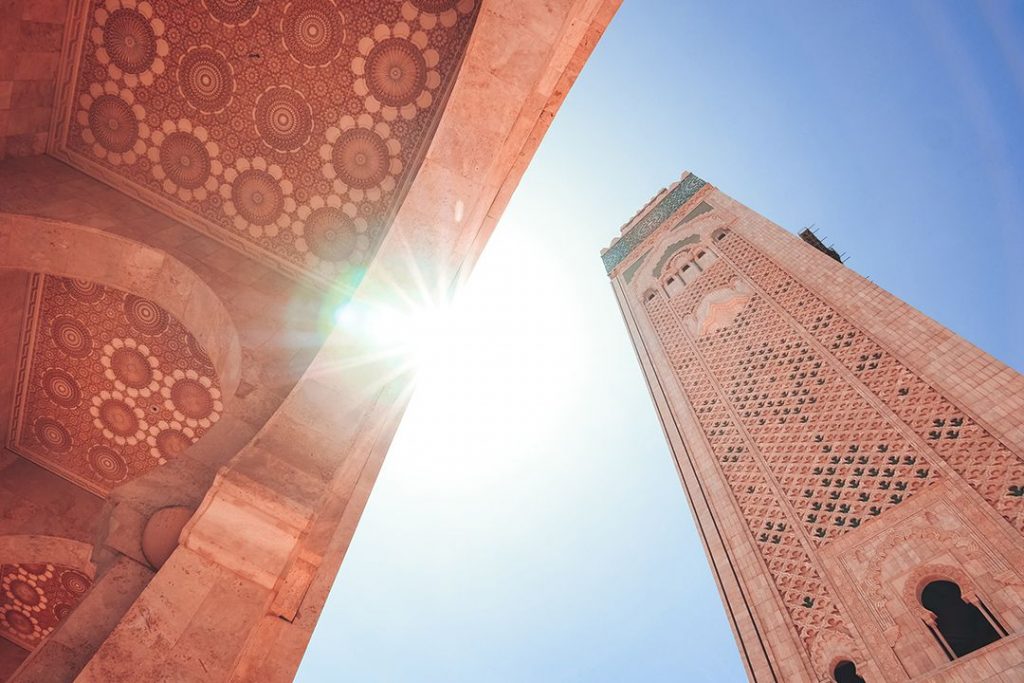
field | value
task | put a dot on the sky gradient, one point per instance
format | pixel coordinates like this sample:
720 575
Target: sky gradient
528 524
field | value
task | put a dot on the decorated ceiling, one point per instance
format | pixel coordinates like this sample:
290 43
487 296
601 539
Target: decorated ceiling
34 598
288 129
111 385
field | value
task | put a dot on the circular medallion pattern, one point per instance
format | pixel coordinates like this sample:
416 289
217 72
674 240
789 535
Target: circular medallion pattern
168 440
26 594
283 118
19 622
113 123
331 235
109 465
74 581
71 336
396 72
131 367
232 12
144 315
118 417
62 610
129 40
172 443
257 197
61 388
313 31
192 399
360 158
85 291
206 79
185 160
52 435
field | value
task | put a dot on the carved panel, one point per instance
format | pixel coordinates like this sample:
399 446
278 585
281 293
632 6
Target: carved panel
112 384
289 129
982 460
34 598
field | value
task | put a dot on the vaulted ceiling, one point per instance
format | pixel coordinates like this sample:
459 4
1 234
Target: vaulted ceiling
110 386
34 598
290 130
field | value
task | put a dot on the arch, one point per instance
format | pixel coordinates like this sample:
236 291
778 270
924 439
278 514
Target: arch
30 549
56 248
44 579
919 578
832 647
845 671
963 626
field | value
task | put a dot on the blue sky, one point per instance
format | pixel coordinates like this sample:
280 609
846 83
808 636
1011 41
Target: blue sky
528 524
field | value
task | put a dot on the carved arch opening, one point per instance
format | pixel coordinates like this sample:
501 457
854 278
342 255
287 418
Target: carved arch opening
127 357
957 618
42 580
846 672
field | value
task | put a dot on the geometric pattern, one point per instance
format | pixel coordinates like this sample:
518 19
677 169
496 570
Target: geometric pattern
34 598
789 395
806 455
804 594
983 461
668 205
290 128
113 385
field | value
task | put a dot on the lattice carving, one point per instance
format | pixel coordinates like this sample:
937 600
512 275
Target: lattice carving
835 458
803 591
981 459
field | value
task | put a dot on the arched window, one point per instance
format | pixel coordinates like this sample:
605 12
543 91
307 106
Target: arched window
673 285
705 258
962 625
689 272
846 672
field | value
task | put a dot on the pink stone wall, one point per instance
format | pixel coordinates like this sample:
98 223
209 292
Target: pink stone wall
34 501
30 43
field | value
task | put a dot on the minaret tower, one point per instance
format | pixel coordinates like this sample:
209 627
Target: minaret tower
855 469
